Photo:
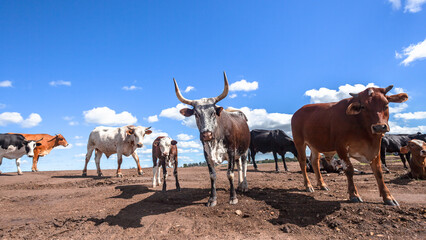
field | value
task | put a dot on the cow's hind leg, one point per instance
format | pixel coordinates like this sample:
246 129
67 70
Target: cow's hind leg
154 172
283 157
138 165
98 155
242 173
315 157
384 191
233 195
301 152
163 165
277 169
253 159
18 166
119 162
35 161
349 171
175 173
88 156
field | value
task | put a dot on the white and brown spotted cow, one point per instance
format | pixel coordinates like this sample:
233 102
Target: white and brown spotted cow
164 153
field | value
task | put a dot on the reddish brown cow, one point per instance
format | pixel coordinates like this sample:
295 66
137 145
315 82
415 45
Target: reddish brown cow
48 142
418 160
352 127
164 149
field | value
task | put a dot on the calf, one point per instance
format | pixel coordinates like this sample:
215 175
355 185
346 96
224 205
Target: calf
47 144
122 140
164 151
417 163
275 141
353 128
14 146
225 136
328 164
391 143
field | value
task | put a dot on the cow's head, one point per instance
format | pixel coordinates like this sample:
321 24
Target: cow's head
165 145
59 140
371 107
30 146
205 111
136 134
416 147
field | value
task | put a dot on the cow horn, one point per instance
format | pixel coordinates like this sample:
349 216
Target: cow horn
354 94
388 88
148 128
39 140
179 95
225 90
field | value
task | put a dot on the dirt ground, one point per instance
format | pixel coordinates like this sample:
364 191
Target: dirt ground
64 205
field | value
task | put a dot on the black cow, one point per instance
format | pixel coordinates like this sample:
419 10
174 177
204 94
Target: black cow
392 143
418 136
275 141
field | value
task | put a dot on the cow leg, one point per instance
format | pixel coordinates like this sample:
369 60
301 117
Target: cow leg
88 156
158 172
119 162
301 152
163 165
277 169
384 191
231 164
175 173
383 158
349 171
18 166
1 161
154 171
407 156
283 157
253 159
35 161
136 157
98 155
315 157
213 195
402 156
242 173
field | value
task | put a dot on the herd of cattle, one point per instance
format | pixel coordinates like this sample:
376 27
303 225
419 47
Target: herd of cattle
351 128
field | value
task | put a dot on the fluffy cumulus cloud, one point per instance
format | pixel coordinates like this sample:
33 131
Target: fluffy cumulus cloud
330 95
396 4
131 88
397 129
411 115
6 83
173 112
7 118
260 118
412 53
189 88
152 119
106 116
243 85
190 144
397 107
60 83
414 6
184 137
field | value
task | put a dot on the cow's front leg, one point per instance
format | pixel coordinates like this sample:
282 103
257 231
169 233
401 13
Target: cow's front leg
154 172
384 191
213 195
98 155
138 165
18 166
163 165
175 173
35 161
119 162
88 156
242 173
233 195
315 158
253 159
349 171
158 172
402 156
277 169
283 157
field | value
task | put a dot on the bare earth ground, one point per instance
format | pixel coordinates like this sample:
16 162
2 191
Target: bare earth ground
64 205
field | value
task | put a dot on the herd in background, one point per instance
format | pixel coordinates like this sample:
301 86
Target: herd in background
351 128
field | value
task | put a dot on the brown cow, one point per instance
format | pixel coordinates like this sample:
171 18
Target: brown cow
164 149
352 127
418 160
47 144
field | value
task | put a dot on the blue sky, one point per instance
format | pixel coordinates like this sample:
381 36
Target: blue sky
67 67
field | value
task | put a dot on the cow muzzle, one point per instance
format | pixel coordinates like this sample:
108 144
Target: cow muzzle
379 128
423 153
30 155
165 154
207 136
139 145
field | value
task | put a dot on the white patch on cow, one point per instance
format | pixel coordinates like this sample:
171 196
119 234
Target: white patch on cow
418 142
344 166
154 178
216 151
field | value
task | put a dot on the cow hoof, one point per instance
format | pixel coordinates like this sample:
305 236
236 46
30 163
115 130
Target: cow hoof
19 173
178 189
233 201
140 173
120 175
325 188
33 170
277 171
255 169
355 199
391 202
310 189
211 203
100 175
84 174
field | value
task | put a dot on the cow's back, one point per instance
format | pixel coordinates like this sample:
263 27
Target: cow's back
261 140
238 127
7 140
106 139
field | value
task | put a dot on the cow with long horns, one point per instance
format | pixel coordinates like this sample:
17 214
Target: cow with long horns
353 127
225 136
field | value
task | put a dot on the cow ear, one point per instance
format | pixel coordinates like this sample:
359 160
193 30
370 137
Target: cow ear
218 110
147 132
354 108
174 142
187 112
398 98
130 131
156 144
404 150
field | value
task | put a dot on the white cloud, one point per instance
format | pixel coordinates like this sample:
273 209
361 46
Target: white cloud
396 4
396 129
60 147
329 95
399 107
81 155
184 137
130 88
70 122
189 88
73 123
80 144
173 112
412 53
234 95
149 139
260 118
106 116
414 6
243 85
78 137
6 83
189 144
15 118
190 150
152 119
60 83
411 115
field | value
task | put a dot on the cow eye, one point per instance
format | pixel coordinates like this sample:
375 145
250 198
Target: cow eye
386 107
